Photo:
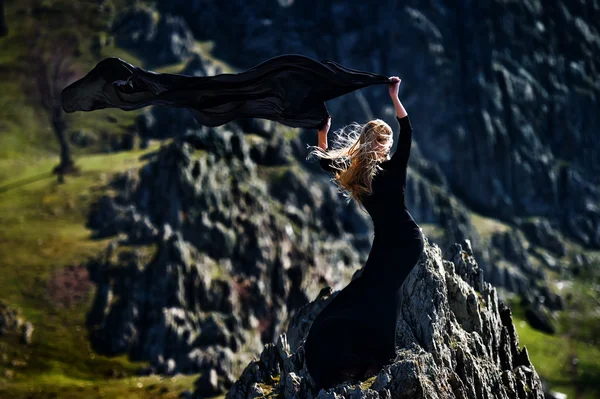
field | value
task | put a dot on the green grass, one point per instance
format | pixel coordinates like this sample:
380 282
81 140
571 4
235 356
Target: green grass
552 355
487 226
42 224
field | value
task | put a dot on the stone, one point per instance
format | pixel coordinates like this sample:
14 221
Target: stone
27 333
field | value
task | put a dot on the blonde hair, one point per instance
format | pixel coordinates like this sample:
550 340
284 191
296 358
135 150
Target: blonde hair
354 157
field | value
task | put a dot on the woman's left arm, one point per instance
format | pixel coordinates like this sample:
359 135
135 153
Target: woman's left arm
403 141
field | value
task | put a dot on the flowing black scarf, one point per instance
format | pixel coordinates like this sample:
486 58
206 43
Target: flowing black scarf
290 89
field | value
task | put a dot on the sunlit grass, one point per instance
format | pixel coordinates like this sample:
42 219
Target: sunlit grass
552 356
42 231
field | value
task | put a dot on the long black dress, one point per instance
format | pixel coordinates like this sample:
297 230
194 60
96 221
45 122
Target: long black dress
355 332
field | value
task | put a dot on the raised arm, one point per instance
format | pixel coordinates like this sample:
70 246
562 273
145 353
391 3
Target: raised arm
325 163
403 140
400 111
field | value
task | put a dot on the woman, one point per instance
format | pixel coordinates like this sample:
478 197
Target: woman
354 335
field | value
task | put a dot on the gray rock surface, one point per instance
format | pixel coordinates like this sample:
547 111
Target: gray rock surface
158 39
454 340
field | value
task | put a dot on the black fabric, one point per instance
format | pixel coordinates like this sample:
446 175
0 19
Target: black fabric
290 89
355 332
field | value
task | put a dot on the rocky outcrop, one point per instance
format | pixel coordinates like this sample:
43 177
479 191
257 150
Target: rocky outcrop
158 39
171 309
454 340
208 263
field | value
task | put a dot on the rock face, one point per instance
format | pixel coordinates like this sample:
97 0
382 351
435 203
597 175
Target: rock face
454 340
167 41
509 93
207 263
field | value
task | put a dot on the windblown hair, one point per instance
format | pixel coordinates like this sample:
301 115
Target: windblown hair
355 158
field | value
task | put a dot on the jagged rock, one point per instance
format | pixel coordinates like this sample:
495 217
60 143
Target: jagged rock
454 340
167 41
511 245
196 66
278 152
137 27
292 189
541 233
174 306
11 321
261 127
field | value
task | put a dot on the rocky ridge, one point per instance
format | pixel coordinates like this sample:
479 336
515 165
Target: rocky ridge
454 339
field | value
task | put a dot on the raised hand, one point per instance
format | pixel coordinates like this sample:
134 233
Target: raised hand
326 127
394 86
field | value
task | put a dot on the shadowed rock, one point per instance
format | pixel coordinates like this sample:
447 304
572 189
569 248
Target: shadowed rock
454 339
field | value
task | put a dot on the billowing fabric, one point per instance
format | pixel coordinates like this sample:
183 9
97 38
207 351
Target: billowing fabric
290 89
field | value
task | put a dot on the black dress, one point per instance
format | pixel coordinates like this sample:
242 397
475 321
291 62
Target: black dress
355 332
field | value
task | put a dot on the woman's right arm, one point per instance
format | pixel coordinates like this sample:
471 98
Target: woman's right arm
323 134
325 163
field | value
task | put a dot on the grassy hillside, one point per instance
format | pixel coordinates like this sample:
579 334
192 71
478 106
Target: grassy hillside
43 242
43 233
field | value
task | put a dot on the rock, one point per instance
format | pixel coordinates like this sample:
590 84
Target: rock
186 395
196 66
540 318
510 267
173 44
167 41
27 333
208 384
541 233
82 138
10 319
453 336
